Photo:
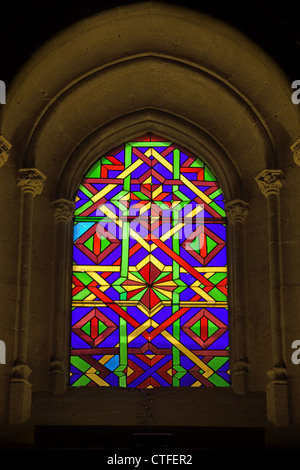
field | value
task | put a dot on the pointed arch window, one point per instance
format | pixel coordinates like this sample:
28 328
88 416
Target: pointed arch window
149 301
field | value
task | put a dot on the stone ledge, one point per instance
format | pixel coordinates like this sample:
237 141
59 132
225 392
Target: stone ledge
166 407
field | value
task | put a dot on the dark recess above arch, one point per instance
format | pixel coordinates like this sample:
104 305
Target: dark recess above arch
25 26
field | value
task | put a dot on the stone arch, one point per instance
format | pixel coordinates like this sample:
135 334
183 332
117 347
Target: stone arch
55 79
181 74
132 124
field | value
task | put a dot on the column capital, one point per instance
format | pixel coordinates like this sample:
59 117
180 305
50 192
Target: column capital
5 147
31 180
237 210
62 209
270 181
21 371
295 148
277 374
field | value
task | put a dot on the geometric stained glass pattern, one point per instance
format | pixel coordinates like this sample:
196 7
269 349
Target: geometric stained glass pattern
149 301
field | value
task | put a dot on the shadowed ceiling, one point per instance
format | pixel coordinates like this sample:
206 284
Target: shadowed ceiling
25 26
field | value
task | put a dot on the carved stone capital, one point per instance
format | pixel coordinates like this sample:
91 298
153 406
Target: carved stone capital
295 148
57 366
21 371
277 374
236 210
270 181
31 180
241 367
63 210
5 147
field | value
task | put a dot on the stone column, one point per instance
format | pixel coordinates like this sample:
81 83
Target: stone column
63 210
5 147
236 212
270 183
31 182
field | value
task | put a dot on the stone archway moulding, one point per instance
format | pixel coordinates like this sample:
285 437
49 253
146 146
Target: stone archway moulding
176 54
180 73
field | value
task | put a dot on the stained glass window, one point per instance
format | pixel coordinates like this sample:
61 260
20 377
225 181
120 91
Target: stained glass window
149 301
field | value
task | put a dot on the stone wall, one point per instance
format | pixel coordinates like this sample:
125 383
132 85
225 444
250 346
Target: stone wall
196 81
